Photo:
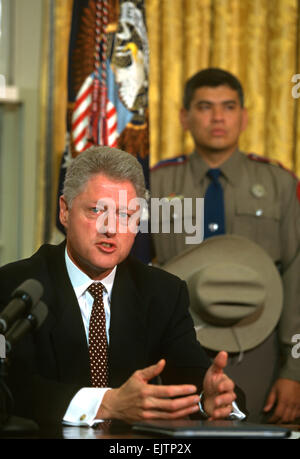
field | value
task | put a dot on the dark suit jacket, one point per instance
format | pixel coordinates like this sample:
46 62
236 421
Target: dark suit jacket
149 321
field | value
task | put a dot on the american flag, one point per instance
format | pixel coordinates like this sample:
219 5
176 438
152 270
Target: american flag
81 119
94 118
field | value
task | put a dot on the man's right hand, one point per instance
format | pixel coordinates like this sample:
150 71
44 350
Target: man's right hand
136 400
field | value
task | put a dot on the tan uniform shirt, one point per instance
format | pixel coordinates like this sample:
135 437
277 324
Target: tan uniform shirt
261 204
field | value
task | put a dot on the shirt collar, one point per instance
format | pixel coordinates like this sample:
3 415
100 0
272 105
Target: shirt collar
199 167
81 281
230 168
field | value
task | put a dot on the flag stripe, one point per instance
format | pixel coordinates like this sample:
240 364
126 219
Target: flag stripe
85 93
81 117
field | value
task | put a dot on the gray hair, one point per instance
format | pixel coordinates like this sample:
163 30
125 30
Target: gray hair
111 162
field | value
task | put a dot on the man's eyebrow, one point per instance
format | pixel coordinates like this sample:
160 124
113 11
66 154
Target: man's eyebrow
211 102
230 101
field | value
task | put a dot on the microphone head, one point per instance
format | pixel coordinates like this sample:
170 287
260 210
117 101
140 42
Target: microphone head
30 291
23 326
38 314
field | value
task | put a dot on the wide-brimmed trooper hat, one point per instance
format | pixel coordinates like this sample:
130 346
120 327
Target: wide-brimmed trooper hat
236 293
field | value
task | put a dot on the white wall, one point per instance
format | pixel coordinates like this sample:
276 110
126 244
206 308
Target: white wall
19 124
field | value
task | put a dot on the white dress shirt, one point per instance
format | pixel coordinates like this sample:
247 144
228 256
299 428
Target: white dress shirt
85 404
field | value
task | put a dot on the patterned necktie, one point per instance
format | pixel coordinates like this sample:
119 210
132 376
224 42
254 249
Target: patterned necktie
214 215
98 348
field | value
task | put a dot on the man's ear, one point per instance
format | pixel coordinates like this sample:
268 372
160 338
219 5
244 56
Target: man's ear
183 116
63 211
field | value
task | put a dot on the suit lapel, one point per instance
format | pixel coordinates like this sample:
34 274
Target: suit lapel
68 334
127 349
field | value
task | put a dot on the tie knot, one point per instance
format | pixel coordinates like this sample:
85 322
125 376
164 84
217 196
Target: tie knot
214 174
96 289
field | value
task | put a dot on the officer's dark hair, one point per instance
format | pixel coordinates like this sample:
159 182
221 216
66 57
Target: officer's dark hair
211 77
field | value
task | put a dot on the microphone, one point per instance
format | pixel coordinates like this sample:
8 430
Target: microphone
33 321
23 298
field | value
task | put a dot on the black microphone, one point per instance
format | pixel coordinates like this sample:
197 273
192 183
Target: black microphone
23 298
33 321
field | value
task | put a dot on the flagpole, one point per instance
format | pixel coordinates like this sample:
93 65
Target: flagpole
95 118
103 87
97 125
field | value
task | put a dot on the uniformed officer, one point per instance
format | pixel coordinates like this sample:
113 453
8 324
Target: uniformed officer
245 195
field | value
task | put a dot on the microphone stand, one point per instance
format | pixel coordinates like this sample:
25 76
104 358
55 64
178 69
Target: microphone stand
8 423
6 400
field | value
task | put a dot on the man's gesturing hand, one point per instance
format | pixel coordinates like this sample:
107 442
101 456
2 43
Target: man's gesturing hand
137 400
218 389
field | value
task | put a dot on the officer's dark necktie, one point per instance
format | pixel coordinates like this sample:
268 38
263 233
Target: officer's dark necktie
214 215
98 349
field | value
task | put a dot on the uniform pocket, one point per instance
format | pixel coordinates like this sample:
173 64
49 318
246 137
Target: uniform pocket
259 220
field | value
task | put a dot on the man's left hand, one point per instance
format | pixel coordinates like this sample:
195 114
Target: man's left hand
285 393
218 389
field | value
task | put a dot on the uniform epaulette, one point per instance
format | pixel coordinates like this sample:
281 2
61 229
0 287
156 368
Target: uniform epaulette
168 162
274 162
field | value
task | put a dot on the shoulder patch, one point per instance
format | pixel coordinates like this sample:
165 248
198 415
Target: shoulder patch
169 162
274 162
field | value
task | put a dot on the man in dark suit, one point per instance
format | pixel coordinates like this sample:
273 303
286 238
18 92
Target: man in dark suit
155 366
